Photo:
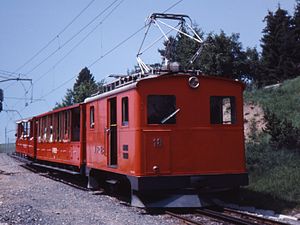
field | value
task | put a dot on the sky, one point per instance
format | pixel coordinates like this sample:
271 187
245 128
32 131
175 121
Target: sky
50 42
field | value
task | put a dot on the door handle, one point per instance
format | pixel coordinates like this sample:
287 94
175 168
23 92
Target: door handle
107 130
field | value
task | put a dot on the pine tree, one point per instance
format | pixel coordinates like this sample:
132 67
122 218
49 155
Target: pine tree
296 32
277 45
84 87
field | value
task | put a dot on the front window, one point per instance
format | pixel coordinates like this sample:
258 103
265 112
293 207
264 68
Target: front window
161 109
222 110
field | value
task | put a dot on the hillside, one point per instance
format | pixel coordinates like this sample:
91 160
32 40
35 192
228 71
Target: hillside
283 99
274 172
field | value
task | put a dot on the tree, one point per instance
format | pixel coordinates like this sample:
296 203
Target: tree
295 23
223 56
181 48
277 47
253 65
84 87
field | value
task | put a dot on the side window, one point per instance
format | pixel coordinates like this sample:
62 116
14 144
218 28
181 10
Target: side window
161 109
92 117
222 110
125 115
67 128
31 129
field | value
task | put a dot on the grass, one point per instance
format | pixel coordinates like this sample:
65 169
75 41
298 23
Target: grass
274 174
284 100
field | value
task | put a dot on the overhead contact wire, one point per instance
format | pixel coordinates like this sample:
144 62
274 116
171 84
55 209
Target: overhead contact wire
107 53
56 36
70 39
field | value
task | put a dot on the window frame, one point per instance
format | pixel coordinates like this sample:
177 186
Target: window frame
92 117
217 113
125 111
148 116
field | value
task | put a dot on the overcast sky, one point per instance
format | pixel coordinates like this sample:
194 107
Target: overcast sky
28 26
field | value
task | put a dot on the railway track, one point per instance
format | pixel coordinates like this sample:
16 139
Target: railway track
193 216
223 216
72 181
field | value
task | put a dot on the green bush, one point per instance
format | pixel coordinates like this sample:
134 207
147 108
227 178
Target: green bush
283 133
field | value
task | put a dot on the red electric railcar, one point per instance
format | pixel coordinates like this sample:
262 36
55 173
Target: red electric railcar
170 135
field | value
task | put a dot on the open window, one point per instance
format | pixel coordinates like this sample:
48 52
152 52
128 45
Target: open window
67 127
125 115
92 117
75 124
161 109
222 110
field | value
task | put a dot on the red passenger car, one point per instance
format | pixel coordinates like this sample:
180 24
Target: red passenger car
25 137
58 135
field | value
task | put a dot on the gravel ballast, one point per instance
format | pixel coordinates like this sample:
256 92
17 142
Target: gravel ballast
28 198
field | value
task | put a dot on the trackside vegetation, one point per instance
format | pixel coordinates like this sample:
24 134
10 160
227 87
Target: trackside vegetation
273 155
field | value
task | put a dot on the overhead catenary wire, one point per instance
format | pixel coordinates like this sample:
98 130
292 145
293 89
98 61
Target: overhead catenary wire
172 6
107 53
76 34
79 43
97 60
51 41
10 74
70 39
75 46
56 36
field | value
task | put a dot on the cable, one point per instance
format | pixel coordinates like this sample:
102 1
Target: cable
100 23
107 53
51 41
80 42
8 73
118 45
172 6
56 36
70 39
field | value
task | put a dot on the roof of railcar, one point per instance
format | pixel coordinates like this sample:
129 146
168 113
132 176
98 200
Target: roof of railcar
134 84
58 110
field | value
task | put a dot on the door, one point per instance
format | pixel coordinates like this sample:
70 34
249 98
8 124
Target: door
157 147
112 133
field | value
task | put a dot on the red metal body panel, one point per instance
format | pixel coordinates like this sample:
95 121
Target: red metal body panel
66 153
60 148
192 146
97 147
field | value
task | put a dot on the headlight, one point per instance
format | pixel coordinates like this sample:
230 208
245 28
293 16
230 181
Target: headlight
194 82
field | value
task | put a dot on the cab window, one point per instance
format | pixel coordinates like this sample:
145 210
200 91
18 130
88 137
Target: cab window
160 109
222 110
